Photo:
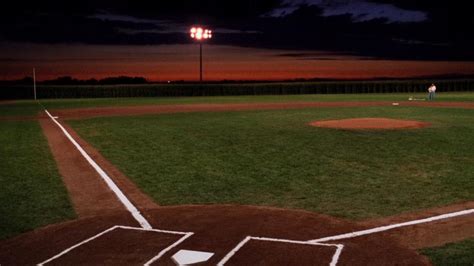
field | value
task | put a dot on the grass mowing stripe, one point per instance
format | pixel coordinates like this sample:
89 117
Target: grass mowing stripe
31 191
458 254
274 158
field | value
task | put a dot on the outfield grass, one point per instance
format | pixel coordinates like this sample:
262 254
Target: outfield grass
31 191
274 158
19 108
455 254
31 108
79 103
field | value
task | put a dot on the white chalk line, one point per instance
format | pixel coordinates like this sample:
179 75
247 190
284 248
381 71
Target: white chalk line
334 259
347 235
154 230
163 252
337 254
64 252
234 250
76 245
392 226
120 195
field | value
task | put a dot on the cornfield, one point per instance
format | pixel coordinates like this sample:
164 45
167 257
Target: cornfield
176 90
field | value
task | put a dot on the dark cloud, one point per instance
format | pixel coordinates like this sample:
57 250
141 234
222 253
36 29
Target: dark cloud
359 10
411 30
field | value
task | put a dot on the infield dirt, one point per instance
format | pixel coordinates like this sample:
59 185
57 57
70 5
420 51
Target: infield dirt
370 123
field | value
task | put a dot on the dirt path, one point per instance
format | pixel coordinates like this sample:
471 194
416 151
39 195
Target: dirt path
185 108
89 194
7 102
370 123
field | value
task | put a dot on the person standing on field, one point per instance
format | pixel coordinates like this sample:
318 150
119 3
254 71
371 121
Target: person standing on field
431 92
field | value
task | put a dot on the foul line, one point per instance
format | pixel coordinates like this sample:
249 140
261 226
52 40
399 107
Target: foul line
123 199
186 235
392 226
334 260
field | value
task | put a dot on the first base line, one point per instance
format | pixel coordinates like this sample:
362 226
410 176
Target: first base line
392 226
120 195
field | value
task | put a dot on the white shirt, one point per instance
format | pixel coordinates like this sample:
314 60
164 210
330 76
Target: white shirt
432 88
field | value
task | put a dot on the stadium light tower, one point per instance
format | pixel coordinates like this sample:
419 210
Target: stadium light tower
200 34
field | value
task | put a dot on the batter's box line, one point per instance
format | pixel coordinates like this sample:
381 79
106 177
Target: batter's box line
334 260
185 235
347 235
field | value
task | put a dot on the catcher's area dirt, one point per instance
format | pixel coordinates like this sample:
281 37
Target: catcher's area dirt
370 123
217 228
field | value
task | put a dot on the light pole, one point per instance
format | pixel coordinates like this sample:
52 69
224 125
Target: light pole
200 34
34 83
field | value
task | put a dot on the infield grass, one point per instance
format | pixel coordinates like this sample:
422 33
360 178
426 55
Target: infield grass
31 191
455 254
274 158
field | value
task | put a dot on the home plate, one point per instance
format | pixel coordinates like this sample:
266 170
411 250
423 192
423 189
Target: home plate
190 257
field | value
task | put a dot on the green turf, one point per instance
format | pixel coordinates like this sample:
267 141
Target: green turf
455 254
274 158
19 108
76 103
31 108
31 191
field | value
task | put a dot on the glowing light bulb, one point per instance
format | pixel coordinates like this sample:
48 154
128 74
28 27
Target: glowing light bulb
200 33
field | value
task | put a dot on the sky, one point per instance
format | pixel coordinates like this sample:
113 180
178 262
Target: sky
252 40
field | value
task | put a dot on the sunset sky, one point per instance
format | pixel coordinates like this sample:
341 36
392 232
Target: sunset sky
252 40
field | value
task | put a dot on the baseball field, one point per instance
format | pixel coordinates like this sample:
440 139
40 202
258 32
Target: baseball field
251 179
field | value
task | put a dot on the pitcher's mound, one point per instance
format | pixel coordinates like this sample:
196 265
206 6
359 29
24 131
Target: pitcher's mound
370 123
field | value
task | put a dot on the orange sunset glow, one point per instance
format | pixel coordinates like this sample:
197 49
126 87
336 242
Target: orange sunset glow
181 62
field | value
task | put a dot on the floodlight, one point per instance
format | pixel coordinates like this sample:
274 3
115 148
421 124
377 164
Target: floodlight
200 34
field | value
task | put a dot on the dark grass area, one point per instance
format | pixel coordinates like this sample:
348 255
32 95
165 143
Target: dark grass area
274 158
31 191
19 108
454 254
